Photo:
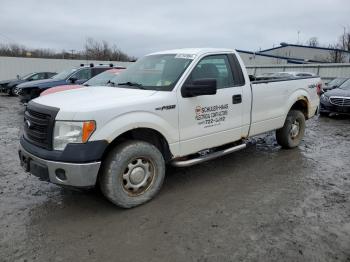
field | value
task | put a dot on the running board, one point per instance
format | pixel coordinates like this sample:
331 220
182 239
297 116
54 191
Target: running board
200 159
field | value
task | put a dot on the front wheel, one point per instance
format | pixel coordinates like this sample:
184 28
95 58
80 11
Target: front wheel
292 132
132 174
10 92
324 114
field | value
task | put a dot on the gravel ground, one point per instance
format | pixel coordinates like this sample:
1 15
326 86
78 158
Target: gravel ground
259 204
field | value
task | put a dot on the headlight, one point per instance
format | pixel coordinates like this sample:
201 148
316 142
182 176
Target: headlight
71 132
325 98
18 91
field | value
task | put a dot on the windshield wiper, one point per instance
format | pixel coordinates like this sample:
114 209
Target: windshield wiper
110 83
131 84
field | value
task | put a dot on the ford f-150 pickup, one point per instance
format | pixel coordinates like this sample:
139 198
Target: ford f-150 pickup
179 107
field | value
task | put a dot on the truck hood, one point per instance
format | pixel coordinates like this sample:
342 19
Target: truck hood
89 99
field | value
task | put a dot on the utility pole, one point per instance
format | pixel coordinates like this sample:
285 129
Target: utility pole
72 53
344 40
298 37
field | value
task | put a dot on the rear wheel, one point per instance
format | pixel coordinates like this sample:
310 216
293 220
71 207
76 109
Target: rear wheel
292 132
133 173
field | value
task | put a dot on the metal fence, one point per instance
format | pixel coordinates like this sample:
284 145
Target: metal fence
325 71
10 67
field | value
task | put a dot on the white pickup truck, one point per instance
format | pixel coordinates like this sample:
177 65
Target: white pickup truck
179 107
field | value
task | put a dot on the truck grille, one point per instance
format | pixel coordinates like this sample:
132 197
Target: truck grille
340 101
39 124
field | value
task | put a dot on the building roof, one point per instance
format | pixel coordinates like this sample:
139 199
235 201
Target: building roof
289 59
305 46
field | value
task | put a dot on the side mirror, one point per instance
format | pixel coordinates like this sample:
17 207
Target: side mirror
199 87
72 79
252 78
17 76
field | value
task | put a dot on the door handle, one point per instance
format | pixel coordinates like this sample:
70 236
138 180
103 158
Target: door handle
236 99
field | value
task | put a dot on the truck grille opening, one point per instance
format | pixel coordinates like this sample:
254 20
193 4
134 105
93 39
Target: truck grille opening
340 101
39 124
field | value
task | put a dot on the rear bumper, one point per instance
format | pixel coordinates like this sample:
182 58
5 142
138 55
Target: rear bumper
62 173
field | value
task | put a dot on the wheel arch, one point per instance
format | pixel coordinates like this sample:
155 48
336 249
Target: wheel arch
149 135
299 100
302 104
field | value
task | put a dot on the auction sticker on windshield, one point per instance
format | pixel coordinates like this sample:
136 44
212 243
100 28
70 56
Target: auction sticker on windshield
186 56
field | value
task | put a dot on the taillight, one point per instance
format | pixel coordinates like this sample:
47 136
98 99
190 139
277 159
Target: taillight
319 88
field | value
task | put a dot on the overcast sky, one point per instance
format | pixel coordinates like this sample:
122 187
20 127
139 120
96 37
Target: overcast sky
140 27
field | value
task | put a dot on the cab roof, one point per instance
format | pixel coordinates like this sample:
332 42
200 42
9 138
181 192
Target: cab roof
194 51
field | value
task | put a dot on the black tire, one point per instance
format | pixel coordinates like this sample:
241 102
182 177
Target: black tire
125 166
324 114
287 137
10 92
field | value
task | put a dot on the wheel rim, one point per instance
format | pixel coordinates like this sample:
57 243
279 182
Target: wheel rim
138 176
295 129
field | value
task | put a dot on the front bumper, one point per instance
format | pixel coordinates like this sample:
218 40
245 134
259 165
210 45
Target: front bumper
4 90
62 173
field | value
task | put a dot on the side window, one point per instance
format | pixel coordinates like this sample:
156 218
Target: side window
237 70
42 75
83 74
214 66
35 77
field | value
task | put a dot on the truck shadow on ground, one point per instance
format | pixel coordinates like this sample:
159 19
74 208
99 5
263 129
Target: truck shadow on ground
229 171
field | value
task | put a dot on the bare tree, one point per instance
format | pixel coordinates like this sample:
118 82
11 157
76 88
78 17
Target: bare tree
336 55
313 41
344 40
93 50
102 51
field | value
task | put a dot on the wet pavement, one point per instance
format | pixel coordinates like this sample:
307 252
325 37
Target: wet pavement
259 204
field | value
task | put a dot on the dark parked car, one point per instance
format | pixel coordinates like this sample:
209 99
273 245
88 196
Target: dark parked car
79 75
103 79
335 83
8 86
336 100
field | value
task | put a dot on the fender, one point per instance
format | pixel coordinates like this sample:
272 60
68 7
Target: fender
139 119
297 95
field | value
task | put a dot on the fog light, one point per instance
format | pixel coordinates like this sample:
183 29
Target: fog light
61 174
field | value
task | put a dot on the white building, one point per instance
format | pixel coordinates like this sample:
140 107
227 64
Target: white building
256 58
307 53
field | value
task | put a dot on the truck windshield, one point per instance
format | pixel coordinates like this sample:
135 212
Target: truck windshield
101 79
153 72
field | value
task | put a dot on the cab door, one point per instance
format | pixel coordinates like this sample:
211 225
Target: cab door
211 120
